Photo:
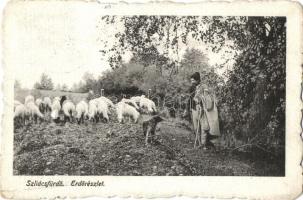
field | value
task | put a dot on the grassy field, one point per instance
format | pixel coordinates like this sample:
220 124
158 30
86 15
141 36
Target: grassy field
119 149
21 94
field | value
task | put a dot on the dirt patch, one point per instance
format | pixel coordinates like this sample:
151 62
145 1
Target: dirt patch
119 149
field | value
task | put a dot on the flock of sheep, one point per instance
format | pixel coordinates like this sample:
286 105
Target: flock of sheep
63 109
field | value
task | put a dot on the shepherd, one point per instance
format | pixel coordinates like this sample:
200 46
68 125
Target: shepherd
204 115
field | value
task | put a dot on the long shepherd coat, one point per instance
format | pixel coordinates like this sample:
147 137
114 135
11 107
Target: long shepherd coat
211 117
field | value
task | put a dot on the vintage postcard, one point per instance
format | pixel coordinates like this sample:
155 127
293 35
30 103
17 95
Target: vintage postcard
157 99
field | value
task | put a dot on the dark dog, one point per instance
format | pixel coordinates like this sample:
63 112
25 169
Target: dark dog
149 127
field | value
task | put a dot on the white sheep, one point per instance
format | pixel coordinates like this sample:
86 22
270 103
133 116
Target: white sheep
34 112
56 107
82 111
102 108
29 98
47 102
130 102
39 103
56 99
98 109
148 104
69 110
21 114
108 101
123 109
92 110
137 98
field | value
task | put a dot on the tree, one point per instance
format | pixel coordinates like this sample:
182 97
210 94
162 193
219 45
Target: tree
194 60
89 81
75 87
58 87
45 83
255 90
64 87
37 86
167 33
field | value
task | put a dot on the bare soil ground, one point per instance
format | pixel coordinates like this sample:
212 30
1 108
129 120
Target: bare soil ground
119 149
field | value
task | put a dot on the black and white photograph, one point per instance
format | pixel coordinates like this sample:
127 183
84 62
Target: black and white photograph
158 95
100 94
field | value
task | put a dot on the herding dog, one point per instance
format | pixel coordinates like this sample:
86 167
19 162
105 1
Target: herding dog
149 127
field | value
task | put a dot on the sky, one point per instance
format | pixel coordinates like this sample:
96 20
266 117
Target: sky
63 42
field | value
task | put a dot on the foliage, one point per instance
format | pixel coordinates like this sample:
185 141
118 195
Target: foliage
45 83
143 33
136 77
58 87
254 95
78 87
124 80
64 87
194 60
251 95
